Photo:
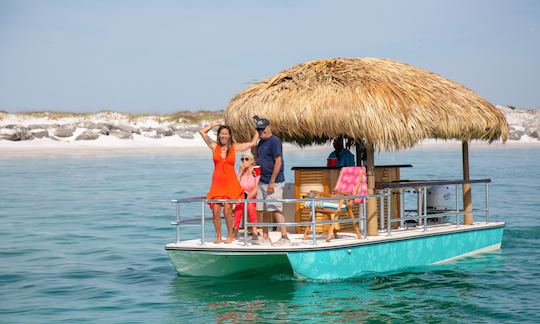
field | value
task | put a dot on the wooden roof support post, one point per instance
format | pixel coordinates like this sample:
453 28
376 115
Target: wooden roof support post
467 193
372 219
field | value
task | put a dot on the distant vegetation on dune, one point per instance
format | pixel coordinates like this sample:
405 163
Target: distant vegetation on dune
193 117
183 116
48 114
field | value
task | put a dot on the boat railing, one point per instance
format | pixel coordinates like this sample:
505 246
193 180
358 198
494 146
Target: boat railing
421 215
313 223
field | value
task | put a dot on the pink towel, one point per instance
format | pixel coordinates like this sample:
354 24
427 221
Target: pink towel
349 177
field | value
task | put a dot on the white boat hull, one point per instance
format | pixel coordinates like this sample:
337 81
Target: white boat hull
224 264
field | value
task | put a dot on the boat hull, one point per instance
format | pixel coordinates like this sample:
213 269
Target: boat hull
393 255
340 259
226 264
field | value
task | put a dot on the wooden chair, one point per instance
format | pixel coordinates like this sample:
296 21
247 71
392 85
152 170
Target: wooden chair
352 181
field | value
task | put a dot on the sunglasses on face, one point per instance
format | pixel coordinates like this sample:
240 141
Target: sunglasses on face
244 159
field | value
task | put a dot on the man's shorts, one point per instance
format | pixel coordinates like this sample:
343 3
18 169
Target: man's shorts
262 193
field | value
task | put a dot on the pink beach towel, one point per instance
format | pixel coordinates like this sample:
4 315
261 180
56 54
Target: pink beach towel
349 177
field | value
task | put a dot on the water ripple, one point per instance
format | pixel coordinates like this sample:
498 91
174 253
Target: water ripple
82 240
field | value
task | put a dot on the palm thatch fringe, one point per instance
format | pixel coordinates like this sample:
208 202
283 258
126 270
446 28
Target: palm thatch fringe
385 104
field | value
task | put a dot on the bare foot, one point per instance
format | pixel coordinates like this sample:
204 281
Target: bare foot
228 240
218 240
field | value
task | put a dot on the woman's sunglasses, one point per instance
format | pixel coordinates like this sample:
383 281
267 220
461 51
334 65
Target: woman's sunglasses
245 159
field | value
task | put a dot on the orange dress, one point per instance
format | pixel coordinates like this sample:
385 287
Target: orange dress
224 181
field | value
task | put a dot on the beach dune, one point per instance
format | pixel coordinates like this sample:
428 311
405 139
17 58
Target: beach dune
107 130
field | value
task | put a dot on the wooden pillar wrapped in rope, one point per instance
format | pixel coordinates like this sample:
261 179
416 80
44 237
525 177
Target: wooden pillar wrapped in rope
372 219
467 191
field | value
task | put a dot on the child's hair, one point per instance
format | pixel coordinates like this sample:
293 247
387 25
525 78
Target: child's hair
249 155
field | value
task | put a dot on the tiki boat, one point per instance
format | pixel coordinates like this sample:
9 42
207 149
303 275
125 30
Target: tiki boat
382 223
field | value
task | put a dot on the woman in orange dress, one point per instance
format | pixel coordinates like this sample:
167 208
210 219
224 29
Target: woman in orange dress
225 184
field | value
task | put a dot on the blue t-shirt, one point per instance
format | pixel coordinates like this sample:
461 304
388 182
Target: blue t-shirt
267 151
345 158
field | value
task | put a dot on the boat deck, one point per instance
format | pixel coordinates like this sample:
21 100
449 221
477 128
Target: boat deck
344 240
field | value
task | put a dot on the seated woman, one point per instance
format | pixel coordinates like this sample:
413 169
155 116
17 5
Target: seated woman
225 185
249 181
344 156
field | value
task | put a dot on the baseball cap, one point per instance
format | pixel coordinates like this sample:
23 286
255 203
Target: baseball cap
261 123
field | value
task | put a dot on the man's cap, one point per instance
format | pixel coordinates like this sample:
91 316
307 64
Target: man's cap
261 123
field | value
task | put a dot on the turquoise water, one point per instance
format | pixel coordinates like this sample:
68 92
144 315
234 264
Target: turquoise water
82 237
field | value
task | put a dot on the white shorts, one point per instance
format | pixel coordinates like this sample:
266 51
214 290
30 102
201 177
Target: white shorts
262 193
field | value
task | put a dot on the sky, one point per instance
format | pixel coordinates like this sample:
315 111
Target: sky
165 56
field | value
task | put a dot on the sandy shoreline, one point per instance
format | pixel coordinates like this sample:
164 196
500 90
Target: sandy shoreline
37 147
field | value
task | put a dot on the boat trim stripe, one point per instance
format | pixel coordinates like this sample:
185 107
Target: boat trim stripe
490 248
333 247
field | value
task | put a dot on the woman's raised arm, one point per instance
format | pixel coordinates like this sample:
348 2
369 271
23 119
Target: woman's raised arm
246 146
204 134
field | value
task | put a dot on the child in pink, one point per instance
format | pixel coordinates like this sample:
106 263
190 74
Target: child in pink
249 181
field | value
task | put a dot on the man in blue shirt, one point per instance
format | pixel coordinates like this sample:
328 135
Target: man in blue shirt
270 159
344 156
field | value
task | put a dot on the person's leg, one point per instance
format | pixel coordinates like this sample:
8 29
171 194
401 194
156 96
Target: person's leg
261 206
238 213
262 219
252 212
281 219
216 213
227 210
277 207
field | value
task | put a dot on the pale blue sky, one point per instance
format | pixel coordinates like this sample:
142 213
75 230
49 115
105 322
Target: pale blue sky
164 56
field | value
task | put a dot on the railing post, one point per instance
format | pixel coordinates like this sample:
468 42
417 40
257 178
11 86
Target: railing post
381 212
313 229
419 206
401 208
425 208
457 205
203 216
245 221
177 223
487 202
361 223
364 212
388 225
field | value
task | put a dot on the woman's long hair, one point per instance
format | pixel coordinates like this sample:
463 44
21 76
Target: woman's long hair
229 142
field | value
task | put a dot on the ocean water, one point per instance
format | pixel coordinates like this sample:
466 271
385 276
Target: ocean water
82 240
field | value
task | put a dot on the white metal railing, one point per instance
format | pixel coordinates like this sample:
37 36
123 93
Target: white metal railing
420 188
313 223
385 193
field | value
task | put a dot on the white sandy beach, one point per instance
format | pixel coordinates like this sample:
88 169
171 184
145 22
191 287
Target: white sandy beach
40 133
175 144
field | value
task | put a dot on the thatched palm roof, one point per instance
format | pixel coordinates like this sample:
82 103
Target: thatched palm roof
385 104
